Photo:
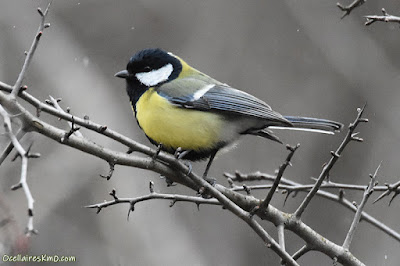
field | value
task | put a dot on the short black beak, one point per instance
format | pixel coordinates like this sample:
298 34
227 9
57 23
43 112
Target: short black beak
122 74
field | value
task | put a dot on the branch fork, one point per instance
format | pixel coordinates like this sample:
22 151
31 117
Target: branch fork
384 18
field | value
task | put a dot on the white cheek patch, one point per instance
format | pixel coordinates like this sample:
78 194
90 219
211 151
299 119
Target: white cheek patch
156 76
198 94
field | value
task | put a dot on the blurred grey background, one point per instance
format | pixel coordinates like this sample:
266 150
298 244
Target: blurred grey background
298 56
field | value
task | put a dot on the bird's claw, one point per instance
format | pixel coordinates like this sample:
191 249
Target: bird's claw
190 168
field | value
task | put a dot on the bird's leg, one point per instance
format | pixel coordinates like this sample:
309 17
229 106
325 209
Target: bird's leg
209 180
203 191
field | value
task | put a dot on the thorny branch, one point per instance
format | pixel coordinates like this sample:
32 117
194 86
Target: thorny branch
384 18
368 191
277 180
389 189
173 198
350 136
288 186
24 168
328 184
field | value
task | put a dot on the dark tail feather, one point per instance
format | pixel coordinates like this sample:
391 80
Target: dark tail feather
312 124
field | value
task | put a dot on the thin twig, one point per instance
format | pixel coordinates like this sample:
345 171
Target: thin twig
384 18
54 102
347 9
154 195
73 130
281 235
389 188
282 169
17 86
357 216
300 187
335 156
303 250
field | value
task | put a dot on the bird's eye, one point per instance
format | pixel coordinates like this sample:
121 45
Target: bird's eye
147 69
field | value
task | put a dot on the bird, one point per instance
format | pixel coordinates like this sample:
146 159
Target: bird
180 108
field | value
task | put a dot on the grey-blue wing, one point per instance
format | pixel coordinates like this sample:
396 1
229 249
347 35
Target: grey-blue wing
202 95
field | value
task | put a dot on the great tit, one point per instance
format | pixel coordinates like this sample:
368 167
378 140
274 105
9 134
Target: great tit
178 106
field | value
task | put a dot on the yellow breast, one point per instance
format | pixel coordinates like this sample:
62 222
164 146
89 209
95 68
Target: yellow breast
177 127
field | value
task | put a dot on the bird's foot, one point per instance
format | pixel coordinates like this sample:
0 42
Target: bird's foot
190 168
179 154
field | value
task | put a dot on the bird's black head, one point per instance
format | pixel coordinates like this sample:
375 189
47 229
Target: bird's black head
149 68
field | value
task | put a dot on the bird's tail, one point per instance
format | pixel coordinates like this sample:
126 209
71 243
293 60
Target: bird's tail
311 124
